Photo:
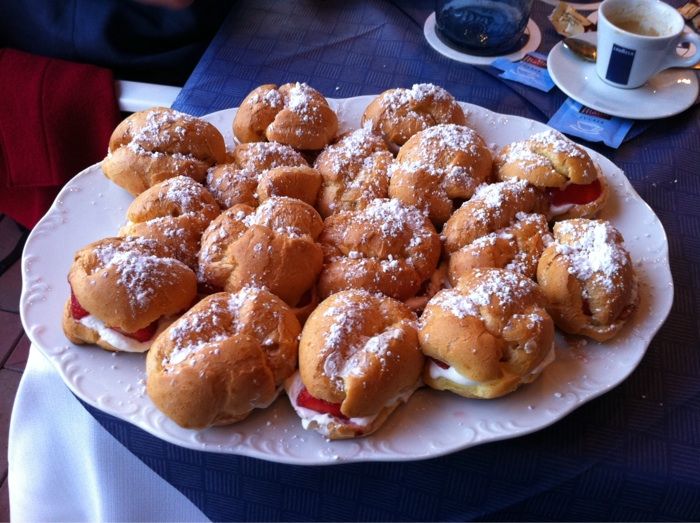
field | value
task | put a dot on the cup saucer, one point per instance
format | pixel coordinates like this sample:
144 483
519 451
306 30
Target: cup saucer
669 92
533 42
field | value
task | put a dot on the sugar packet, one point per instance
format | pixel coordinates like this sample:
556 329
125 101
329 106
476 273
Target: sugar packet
569 22
531 70
576 119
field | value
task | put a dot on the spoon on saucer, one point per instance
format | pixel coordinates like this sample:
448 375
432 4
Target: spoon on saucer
588 51
581 48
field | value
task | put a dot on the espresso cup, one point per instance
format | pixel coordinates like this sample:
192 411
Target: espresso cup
637 39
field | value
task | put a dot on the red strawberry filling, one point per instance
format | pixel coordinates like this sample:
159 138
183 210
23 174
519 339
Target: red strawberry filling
576 194
440 364
306 400
78 313
141 335
76 310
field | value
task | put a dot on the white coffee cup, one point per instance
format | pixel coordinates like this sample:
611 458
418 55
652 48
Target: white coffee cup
637 39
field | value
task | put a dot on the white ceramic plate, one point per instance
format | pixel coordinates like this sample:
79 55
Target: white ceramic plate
431 424
670 92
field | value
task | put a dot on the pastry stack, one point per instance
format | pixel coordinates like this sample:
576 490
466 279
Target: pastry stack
345 270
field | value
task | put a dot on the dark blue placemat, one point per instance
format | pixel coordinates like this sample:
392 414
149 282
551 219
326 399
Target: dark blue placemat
345 50
630 455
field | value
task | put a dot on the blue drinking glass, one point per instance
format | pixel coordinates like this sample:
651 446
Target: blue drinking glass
483 27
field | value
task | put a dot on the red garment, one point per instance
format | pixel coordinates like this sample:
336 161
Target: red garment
56 118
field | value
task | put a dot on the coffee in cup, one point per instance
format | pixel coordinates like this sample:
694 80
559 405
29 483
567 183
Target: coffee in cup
637 39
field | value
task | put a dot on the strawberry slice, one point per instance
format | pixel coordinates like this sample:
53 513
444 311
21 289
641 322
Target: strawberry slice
141 335
440 364
306 400
577 194
76 310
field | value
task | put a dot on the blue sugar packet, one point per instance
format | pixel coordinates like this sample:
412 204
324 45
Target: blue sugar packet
578 120
530 70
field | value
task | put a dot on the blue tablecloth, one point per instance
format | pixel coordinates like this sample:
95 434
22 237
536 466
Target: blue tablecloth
632 454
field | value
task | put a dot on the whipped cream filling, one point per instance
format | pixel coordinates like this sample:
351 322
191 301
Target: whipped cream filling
557 210
451 374
549 358
118 340
435 371
321 421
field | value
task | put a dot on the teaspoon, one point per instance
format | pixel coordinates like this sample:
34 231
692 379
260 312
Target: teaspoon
581 48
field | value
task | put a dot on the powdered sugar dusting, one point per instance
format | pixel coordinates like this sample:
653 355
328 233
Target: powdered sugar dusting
200 329
534 152
356 145
591 249
266 214
393 217
348 316
185 192
270 98
302 100
417 94
158 131
557 142
136 270
493 288
262 156
493 194
348 340
453 155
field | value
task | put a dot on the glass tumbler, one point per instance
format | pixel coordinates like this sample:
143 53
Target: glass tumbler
482 27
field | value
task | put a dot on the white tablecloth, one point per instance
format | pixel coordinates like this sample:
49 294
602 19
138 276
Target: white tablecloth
63 466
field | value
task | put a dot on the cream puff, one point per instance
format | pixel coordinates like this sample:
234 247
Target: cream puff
354 170
486 336
438 168
588 279
492 207
397 114
552 162
259 170
123 292
174 213
273 245
159 143
224 358
359 359
386 247
294 114
517 247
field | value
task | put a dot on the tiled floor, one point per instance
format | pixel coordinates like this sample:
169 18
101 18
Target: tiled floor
14 344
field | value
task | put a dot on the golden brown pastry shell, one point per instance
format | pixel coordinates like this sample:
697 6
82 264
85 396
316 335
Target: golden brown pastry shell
169 285
497 343
354 171
159 143
595 307
398 114
359 254
297 115
263 252
493 207
373 377
546 159
174 213
438 168
244 349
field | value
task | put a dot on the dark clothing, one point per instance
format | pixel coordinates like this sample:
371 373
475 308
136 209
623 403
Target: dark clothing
138 42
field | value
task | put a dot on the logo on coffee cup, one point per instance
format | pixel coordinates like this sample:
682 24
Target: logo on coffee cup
620 64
